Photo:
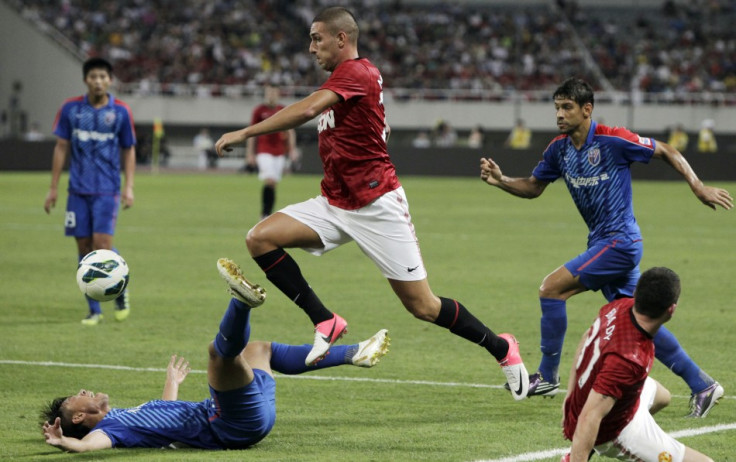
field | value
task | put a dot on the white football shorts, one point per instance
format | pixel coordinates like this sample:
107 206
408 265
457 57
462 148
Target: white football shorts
642 438
270 167
382 229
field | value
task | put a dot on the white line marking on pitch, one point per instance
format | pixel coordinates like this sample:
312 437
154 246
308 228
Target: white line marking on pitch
298 377
540 455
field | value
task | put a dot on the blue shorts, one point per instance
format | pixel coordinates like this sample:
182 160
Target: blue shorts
245 416
88 214
610 265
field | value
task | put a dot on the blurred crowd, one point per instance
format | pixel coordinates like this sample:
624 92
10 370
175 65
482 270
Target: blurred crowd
679 46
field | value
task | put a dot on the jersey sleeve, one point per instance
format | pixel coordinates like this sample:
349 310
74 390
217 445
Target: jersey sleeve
634 148
62 128
119 434
548 169
617 375
127 129
347 81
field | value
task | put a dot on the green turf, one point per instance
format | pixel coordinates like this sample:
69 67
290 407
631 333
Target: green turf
481 246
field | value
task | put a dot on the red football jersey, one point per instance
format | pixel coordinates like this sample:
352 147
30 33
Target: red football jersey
615 361
273 143
352 138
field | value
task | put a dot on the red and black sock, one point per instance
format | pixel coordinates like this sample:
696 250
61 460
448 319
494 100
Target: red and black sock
455 317
285 274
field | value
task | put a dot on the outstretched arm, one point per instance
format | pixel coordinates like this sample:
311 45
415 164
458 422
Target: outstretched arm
92 442
708 195
176 372
528 188
289 117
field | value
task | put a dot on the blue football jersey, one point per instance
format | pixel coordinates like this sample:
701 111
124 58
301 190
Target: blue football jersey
96 137
598 176
159 423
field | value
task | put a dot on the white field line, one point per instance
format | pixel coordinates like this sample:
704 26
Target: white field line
540 455
281 376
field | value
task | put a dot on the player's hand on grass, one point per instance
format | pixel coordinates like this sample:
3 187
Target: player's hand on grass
177 370
490 172
53 433
712 197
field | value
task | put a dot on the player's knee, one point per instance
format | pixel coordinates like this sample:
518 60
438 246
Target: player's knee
549 289
212 351
254 240
422 311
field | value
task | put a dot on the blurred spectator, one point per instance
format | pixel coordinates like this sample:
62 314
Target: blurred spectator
706 137
678 138
445 136
34 134
475 138
520 136
670 50
205 147
421 140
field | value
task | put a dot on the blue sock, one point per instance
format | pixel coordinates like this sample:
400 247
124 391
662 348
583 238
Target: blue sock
553 327
120 301
289 359
234 330
94 305
669 352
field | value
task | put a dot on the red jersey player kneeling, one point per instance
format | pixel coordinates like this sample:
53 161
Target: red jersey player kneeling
611 398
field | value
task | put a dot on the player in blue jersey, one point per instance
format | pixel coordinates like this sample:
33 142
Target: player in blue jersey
98 130
594 161
242 408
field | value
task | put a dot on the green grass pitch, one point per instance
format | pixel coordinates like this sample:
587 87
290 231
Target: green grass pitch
434 397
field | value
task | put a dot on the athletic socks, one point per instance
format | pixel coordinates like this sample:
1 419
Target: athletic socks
455 317
553 327
94 305
289 359
284 273
268 197
668 351
234 330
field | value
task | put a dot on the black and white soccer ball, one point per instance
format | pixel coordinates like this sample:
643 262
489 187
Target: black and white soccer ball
102 275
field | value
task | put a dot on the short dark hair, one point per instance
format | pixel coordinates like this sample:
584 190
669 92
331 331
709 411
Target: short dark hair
96 63
577 90
54 409
658 289
338 18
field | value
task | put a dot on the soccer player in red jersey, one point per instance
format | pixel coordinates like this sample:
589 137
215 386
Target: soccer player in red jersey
269 152
362 201
611 398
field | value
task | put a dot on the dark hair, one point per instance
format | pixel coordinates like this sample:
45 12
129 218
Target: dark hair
339 19
577 90
96 63
658 289
53 410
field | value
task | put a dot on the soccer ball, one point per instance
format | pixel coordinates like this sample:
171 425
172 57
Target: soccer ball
102 275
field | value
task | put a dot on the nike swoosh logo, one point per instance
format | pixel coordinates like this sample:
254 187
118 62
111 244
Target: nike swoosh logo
518 392
412 269
327 338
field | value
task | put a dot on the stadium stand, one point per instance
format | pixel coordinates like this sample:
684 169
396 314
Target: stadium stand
230 47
